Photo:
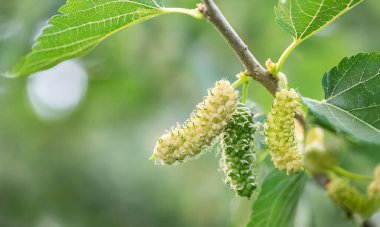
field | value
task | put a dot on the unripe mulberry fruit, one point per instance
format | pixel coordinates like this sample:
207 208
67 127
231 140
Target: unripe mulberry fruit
315 140
205 123
238 154
279 132
374 187
349 198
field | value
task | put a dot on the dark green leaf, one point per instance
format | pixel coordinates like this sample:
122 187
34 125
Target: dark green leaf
277 202
352 98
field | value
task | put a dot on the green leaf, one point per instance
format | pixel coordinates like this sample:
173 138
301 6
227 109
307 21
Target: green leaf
303 18
82 25
352 98
277 202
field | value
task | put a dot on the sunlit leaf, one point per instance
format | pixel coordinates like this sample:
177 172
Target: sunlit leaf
81 26
303 18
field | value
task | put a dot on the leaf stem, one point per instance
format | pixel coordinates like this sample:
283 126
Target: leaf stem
244 80
284 56
243 77
191 12
244 92
237 83
353 176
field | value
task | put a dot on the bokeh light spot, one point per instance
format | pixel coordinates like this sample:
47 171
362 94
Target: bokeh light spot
55 93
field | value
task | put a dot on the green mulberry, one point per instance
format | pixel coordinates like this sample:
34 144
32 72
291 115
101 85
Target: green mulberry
279 132
238 154
350 198
374 187
205 123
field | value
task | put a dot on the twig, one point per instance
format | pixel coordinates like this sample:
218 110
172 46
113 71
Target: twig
253 68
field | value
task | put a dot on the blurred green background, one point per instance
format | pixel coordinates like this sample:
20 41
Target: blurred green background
75 140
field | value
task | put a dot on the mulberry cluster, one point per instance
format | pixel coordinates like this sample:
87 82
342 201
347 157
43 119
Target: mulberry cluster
198 132
348 197
279 132
238 155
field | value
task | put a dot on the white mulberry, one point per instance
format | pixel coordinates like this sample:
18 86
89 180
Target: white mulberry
198 132
350 198
374 187
279 132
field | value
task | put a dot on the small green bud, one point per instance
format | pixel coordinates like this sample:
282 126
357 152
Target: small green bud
205 123
238 154
280 134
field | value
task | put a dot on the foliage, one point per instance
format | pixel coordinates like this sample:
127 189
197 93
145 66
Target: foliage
278 200
82 25
352 103
302 19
